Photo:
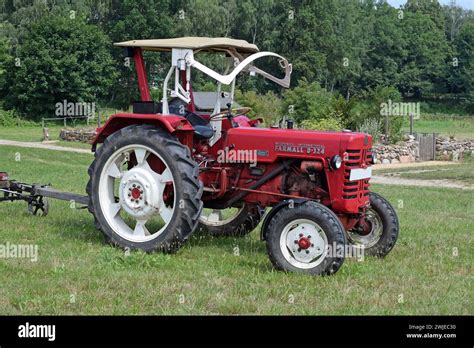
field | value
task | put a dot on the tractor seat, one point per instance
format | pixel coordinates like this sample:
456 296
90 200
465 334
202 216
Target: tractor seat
202 129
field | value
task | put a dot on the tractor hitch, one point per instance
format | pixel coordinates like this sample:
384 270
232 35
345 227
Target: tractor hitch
35 195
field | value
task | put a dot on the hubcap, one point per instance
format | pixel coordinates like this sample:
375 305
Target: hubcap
303 243
131 193
140 193
371 230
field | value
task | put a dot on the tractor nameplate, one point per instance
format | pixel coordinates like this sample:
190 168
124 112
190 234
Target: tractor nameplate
309 149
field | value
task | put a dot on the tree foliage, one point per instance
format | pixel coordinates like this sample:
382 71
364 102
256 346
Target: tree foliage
60 59
346 47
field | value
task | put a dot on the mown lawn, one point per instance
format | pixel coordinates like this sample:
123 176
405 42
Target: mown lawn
429 271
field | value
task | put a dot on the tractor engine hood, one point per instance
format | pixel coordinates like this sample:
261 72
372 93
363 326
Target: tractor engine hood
273 143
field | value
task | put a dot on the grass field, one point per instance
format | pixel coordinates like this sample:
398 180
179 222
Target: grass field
429 271
34 134
461 127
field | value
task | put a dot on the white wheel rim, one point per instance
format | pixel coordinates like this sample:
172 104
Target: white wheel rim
302 255
372 238
215 217
140 194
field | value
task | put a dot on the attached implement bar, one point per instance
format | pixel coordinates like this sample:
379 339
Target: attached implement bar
64 196
34 195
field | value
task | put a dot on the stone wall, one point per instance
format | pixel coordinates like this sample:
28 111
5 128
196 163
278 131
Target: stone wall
451 149
83 135
447 149
402 152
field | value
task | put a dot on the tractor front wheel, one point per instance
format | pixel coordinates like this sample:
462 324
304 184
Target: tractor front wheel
306 238
378 233
144 190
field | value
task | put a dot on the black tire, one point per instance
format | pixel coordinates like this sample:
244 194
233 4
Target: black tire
188 187
328 222
244 223
390 227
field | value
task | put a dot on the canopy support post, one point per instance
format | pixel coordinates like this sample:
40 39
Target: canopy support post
141 75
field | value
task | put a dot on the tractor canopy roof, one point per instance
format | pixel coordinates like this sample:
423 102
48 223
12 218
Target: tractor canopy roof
194 43
240 56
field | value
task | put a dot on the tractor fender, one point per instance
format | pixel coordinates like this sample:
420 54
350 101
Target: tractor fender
275 210
170 123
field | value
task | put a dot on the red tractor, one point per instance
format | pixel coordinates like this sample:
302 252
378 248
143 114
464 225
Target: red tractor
182 164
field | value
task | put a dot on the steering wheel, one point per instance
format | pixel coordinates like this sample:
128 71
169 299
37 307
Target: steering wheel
223 114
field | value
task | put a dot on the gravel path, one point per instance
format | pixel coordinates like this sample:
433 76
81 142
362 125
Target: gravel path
413 164
395 180
34 145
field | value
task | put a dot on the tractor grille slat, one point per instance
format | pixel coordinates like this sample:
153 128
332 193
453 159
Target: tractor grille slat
359 188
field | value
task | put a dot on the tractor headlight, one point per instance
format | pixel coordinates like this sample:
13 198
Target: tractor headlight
336 162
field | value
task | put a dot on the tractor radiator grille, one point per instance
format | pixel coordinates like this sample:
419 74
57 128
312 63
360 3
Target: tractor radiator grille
358 188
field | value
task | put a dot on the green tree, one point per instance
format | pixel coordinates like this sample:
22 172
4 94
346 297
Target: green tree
383 61
60 59
139 19
424 66
5 61
463 71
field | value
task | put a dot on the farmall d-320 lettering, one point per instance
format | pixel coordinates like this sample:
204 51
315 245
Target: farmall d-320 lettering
170 168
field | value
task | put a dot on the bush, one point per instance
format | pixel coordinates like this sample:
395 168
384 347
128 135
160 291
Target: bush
371 126
367 111
309 101
9 118
325 124
267 106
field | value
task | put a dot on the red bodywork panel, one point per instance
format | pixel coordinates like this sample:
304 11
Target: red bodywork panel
273 145
171 123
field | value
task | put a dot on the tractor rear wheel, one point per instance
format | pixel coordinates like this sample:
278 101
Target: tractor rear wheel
380 231
231 221
306 238
144 190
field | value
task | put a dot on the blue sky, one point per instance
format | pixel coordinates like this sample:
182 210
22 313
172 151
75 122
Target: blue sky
469 4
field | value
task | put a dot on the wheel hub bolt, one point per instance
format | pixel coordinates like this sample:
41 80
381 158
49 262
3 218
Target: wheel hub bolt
304 243
136 193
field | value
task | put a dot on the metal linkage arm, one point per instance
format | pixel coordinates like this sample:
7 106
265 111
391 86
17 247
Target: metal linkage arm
227 79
